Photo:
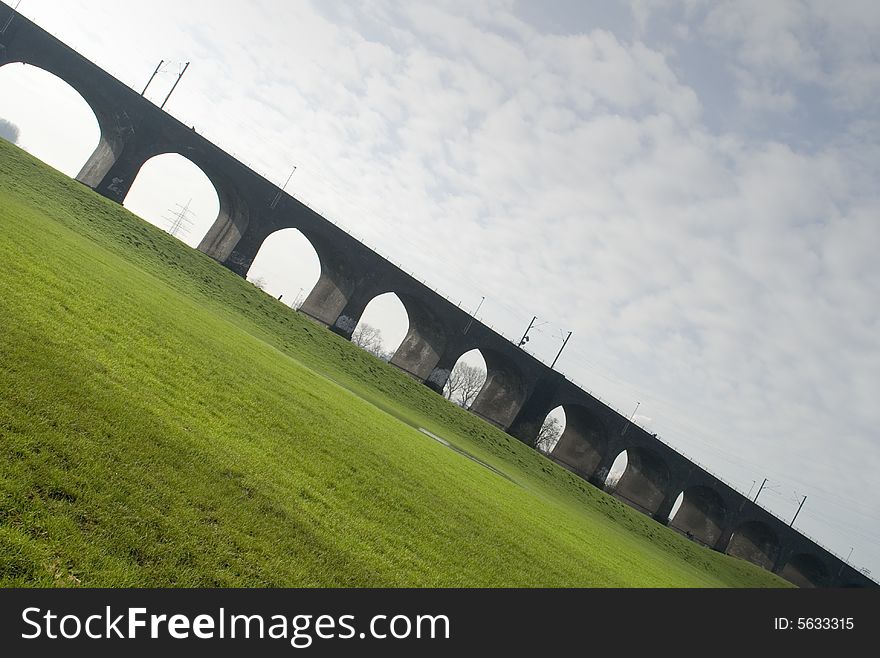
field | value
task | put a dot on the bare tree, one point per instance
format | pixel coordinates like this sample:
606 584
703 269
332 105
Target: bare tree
9 131
464 384
259 282
368 338
549 434
473 381
453 383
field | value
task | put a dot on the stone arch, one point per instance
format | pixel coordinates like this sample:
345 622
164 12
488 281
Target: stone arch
168 186
806 570
288 264
28 44
551 430
382 325
57 123
701 515
462 389
756 542
644 481
222 239
583 442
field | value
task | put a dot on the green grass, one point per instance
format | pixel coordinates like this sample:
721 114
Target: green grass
165 423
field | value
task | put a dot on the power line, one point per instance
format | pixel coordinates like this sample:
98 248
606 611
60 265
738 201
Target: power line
179 222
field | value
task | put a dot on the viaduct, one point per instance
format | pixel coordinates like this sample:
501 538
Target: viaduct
519 391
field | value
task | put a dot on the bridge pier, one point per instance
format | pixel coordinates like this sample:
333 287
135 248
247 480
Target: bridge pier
661 515
600 473
439 375
113 167
504 392
723 540
103 158
230 241
534 412
346 322
425 340
330 294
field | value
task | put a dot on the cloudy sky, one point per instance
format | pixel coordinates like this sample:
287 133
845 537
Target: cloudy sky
689 187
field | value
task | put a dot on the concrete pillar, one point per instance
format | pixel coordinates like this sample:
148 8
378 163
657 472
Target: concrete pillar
782 557
662 513
233 239
503 394
112 174
101 160
533 413
347 320
600 474
439 375
330 295
436 381
424 343
724 540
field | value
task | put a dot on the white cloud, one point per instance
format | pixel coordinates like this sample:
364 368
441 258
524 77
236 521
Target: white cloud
798 42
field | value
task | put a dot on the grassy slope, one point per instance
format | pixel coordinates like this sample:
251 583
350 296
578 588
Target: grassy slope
163 422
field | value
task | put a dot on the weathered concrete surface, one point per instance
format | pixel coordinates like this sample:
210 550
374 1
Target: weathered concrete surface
519 392
702 514
756 542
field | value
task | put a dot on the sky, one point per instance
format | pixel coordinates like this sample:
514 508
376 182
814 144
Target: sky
689 187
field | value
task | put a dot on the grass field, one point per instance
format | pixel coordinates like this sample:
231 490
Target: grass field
165 423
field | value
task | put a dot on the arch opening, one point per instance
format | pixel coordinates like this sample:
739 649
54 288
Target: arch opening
466 379
700 515
53 121
756 542
551 430
618 466
382 326
805 570
639 477
174 194
286 265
